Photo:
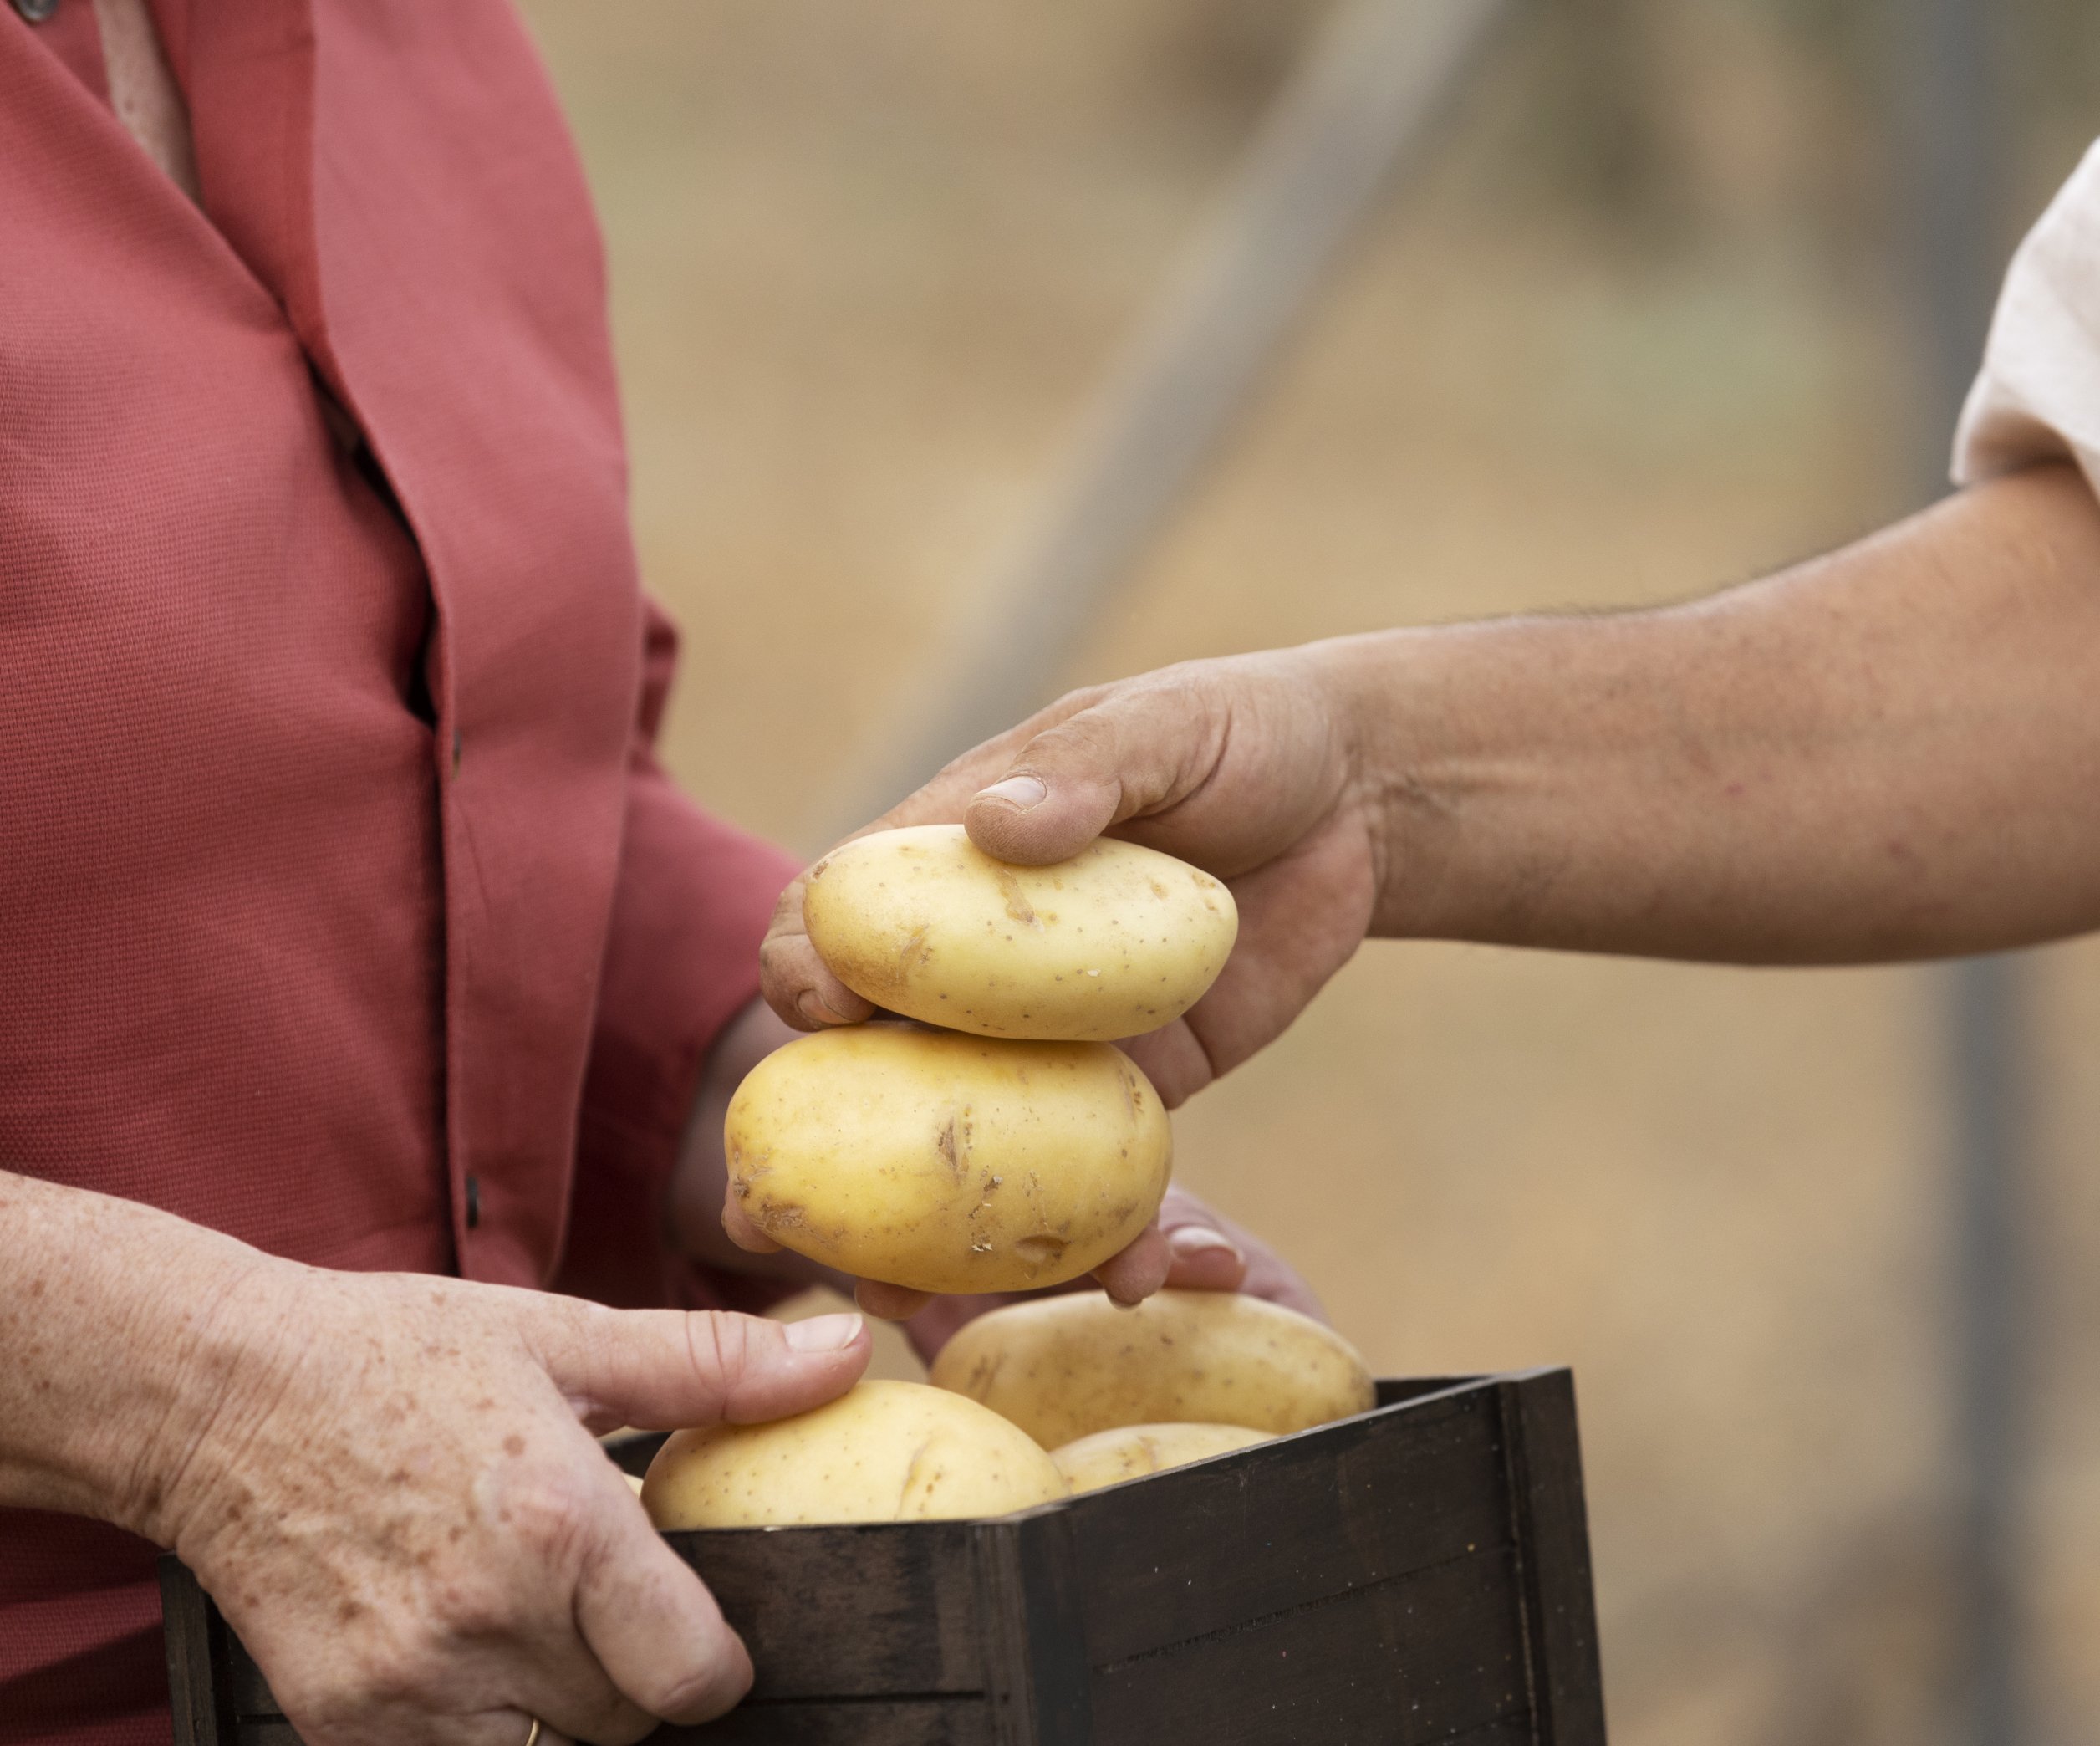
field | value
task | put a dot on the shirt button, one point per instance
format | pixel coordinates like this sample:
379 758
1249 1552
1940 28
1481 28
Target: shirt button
36 11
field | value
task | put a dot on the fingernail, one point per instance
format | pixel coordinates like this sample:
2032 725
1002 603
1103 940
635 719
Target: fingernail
813 1009
1020 792
823 1334
1198 1240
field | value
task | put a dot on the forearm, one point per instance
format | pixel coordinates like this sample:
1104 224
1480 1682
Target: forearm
1887 752
120 1341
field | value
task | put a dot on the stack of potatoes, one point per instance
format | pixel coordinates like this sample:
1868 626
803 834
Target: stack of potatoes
999 1143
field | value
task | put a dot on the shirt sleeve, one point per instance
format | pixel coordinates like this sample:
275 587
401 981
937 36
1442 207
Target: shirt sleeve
2037 397
681 960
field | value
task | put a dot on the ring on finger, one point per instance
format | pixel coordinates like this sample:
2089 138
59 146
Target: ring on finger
533 1739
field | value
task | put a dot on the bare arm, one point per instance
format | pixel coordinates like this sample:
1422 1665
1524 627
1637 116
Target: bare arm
388 1481
1887 752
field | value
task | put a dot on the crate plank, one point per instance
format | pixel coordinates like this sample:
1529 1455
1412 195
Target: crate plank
1034 1597
886 1721
885 1609
1417 1659
1419 1576
1282 1523
191 1625
1545 1464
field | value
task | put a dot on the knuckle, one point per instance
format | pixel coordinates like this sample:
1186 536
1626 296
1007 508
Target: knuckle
549 1517
718 1348
345 1688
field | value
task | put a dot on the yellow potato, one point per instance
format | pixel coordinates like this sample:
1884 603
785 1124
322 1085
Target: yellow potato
1115 942
1130 1452
948 1163
1065 1367
882 1451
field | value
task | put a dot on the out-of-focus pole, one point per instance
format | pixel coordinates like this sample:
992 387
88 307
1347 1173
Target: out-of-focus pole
1363 94
1950 145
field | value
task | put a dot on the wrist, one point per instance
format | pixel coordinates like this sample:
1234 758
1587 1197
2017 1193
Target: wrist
1394 721
128 1336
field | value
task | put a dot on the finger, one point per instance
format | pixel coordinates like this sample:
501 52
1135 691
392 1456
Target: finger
796 982
1201 1258
576 1697
1140 1270
660 1369
1266 1275
1288 948
1144 746
890 1303
1173 1058
656 1629
739 1229
934 1326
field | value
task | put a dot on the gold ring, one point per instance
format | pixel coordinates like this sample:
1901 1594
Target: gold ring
533 1739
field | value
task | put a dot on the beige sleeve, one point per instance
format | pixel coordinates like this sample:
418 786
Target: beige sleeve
2037 397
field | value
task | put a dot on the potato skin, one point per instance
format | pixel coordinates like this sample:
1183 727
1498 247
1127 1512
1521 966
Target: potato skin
948 1163
882 1451
1116 941
1065 1367
1130 1452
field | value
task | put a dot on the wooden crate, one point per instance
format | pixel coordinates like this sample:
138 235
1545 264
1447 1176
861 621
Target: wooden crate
1418 1574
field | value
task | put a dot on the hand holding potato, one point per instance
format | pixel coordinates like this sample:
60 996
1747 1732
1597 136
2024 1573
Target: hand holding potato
412 1527
1245 768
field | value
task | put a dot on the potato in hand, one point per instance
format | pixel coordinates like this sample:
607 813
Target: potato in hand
1116 941
948 1163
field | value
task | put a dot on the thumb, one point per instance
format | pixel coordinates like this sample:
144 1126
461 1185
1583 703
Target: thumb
664 1368
1138 751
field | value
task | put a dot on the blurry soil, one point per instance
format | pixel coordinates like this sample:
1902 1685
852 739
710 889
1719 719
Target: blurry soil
866 263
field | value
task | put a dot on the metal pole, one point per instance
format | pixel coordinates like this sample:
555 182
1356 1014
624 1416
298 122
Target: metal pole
1951 147
1363 94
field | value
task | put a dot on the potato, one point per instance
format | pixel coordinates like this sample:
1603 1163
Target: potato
1065 1367
1130 1452
882 1451
948 1163
1115 942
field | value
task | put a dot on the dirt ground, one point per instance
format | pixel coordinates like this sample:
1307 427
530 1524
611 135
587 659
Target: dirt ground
867 262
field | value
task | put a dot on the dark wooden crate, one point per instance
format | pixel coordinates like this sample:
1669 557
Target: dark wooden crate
1418 1574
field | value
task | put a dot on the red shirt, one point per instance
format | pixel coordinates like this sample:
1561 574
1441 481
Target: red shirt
343 906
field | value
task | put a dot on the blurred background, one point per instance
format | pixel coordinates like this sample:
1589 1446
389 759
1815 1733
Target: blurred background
1641 316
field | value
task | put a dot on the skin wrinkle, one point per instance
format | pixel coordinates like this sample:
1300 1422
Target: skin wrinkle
417 1602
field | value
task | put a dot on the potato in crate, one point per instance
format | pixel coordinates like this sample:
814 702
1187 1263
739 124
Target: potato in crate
1414 1574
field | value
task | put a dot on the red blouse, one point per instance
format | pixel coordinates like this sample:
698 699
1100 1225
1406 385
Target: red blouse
343 906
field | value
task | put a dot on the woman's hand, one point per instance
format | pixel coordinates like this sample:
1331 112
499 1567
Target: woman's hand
1245 767
1187 1246
400 1506
1206 1252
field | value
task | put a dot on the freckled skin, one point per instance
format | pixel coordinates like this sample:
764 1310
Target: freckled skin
389 1484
